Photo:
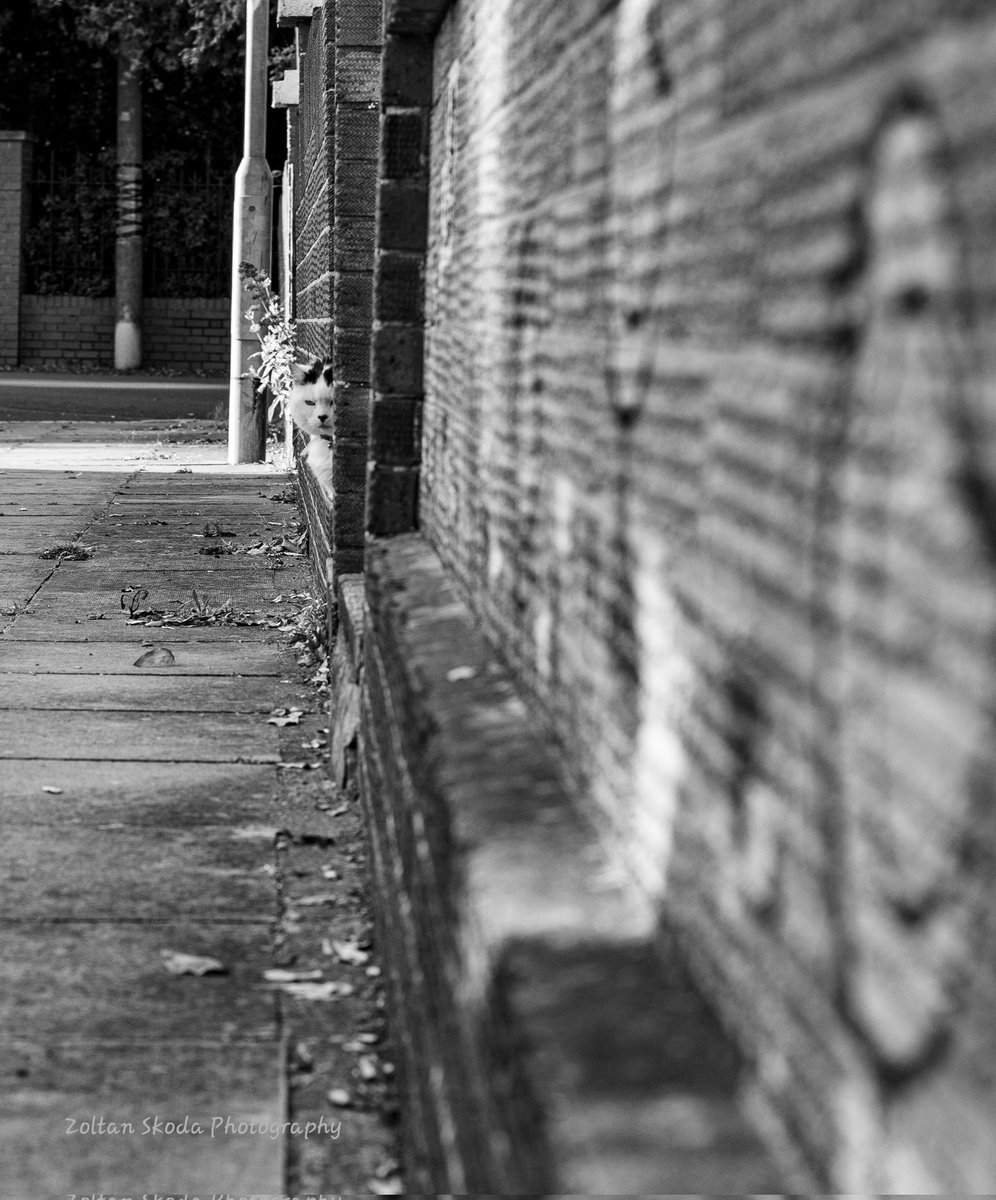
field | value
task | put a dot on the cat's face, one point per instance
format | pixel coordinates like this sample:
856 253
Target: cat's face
310 399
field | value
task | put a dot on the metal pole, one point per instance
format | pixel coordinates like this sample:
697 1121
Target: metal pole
250 243
128 243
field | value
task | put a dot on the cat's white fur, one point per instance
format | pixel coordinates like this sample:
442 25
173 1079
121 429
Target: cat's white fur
310 408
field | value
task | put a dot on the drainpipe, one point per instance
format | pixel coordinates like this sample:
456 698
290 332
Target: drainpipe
250 243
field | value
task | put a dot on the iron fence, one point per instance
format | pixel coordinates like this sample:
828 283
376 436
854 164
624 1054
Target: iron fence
187 214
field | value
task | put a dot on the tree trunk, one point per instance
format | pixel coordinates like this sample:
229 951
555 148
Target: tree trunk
128 246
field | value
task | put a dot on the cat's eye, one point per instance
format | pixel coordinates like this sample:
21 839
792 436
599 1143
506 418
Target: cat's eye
310 403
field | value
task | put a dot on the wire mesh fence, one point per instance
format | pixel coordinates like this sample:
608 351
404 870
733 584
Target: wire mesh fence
186 222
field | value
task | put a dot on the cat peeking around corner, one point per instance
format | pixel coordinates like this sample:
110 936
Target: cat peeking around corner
310 406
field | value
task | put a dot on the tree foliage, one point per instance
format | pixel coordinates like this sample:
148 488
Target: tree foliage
170 35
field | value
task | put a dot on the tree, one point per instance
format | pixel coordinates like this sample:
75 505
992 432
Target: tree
145 35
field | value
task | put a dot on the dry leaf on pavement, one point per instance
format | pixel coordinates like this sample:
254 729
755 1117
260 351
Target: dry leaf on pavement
159 657
350 952
286 975
178 963
317 991
286 716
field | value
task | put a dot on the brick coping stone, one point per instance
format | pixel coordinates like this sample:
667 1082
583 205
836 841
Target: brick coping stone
551 1039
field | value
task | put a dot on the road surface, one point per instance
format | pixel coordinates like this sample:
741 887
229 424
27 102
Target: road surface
30 396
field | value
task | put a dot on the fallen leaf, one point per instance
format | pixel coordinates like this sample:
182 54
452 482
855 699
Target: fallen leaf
284 975
314 901
392 1186
317 991
350 952
284 716
460 673
367 1067
329 873
52 791
178 963
250 833
339 1097
161 656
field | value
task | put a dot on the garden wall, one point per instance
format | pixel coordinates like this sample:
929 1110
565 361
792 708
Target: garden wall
187 335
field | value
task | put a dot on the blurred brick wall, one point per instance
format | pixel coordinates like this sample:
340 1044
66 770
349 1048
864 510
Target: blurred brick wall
707 443
187 335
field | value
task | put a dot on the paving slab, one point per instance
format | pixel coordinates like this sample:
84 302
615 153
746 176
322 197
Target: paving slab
97 980
45 1092
52 626
164 596
161 692
20 578
242 659
98 578
102 873
156 554
119 455
161 795
23 513
150 809
32 539
141 737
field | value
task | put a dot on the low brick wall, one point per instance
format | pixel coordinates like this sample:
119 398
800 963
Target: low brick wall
191 335
531 989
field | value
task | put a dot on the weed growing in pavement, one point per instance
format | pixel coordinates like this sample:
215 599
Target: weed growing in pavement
76 551
310 634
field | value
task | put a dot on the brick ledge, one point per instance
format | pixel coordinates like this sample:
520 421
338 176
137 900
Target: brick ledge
551 1040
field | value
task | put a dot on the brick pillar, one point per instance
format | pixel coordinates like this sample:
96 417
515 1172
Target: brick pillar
399 275
15 174
358 38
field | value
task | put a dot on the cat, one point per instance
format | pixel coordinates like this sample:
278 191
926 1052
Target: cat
310 406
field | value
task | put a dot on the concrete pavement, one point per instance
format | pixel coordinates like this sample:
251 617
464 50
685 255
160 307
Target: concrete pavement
162 792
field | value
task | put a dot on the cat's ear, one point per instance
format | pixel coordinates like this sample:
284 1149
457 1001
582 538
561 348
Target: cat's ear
299 372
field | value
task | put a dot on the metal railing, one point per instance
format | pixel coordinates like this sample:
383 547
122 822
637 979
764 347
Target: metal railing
186 219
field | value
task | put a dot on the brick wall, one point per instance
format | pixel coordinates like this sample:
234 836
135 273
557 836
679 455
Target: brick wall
708 445
189 335
548 1041
686 388
335 158
15 170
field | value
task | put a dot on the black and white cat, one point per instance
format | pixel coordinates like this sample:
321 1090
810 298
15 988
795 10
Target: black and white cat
310 406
